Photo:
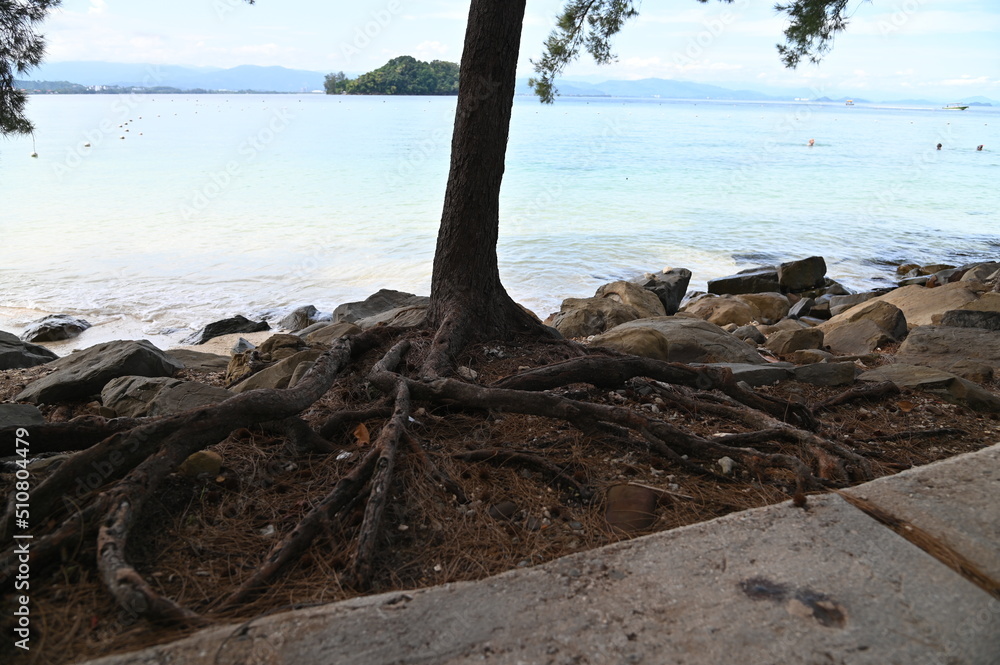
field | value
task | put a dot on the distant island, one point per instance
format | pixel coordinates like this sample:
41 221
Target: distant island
404 75
67 88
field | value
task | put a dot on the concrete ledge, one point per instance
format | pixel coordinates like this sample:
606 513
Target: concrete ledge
772 585
956 500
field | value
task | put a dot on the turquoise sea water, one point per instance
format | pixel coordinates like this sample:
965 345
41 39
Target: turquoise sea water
245 204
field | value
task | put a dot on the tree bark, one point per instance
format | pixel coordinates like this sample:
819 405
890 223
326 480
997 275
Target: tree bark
468 302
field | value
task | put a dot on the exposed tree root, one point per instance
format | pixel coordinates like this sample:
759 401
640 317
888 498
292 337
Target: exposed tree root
869 392
128 461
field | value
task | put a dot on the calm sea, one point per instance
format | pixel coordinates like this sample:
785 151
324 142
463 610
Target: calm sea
218 205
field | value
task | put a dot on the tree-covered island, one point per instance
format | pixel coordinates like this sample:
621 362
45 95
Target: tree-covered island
404 75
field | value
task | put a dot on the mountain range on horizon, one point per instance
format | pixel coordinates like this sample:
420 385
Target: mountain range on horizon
281 79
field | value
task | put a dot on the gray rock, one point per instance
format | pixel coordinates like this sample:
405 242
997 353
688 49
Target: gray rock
826 374
197 361
802 275
840 304
785 342
85 373
138 396
54 328
20 415
408 316
279 374
749 333
669 286
968 318
242 345
15 354
722 310
582 317
972 353
771 307
327 332
757 375
985 273
920 304
303 317
186 396
944 384
130 396
810 356
855 338
801 308
678 339
646 303
755 280
236 324
377 303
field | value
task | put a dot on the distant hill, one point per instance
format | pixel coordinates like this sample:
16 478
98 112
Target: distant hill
652 87
244 77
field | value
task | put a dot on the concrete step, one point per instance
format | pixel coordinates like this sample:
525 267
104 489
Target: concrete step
824 584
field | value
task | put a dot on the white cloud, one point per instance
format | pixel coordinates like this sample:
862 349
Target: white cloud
967 80
429 50
97 7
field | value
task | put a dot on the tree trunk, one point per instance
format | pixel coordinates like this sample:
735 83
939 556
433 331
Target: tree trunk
468 302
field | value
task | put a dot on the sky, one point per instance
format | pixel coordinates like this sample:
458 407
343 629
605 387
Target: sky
893 49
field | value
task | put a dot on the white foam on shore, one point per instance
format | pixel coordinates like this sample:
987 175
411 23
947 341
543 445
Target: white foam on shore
108 328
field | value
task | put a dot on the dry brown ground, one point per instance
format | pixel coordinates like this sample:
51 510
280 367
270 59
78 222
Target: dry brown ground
203 536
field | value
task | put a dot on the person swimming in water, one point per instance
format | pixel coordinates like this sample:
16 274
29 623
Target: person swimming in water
812 142
979 148
938 146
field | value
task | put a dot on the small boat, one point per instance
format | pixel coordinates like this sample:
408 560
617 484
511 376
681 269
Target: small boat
850 102
956 107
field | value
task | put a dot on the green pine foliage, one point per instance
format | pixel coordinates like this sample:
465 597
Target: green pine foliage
21 49
404 75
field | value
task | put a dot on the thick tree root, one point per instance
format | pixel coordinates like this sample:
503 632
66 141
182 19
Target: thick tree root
614 372
869 392
362 567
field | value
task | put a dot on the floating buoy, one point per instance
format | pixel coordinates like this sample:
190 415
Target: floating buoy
86 145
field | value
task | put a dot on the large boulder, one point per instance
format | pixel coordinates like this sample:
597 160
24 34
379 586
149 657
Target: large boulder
302 317
856 338
20 415
668 286
377 303
332 331
279 374
722 310
645 302
754 280
280 346
85 373
198 361
786 342
972 353
138 396
15 354
54 328
582 317
236 324
969 318
985 273
886 316
944 384
840 304
407 316
771 307
921 304
802 275
678 339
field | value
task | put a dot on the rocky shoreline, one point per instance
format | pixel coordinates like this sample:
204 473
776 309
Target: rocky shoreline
936 331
